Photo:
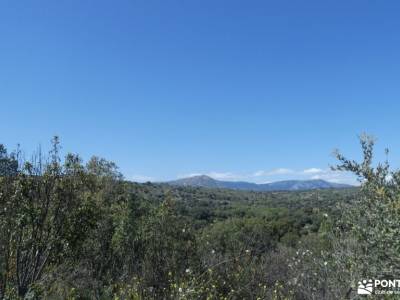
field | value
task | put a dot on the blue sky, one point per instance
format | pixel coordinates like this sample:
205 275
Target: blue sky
240 90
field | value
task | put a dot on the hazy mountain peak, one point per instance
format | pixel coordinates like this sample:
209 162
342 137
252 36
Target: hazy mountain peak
286 185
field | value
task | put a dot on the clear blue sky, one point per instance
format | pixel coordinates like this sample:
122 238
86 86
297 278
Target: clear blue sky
255 90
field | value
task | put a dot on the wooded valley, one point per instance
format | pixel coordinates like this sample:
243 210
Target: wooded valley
75 230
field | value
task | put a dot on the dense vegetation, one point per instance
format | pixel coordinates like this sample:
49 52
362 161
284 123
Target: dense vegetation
70 230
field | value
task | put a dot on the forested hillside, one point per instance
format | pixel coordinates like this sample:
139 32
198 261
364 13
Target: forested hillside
75 230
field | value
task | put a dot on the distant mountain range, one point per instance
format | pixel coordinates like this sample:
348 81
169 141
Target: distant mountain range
287 185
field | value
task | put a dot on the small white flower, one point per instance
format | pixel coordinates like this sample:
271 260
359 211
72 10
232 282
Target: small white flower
247 251
180 290
325 263
212 251
325 215
187 270
183 230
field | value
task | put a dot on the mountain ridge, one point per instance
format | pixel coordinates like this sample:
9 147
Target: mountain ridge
285 185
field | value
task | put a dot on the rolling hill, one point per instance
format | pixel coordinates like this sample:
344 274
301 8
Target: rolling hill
287 185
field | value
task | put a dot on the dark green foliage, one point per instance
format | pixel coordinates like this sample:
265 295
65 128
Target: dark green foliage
70 230
47 211
8 163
